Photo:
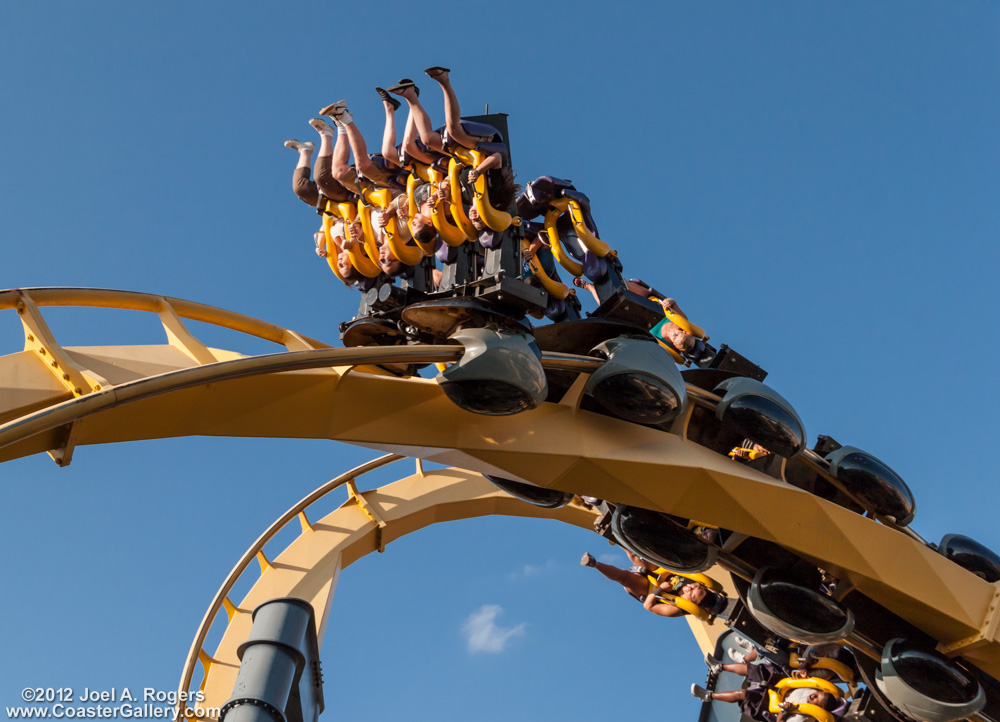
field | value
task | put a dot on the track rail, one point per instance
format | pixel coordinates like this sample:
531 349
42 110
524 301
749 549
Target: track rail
345 395
309 567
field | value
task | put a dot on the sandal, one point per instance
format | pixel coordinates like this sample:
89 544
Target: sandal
386 98
588 560
436 71
403 84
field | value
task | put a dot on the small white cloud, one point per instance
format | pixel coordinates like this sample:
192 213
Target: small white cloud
611 558
482 632
532 571
535 570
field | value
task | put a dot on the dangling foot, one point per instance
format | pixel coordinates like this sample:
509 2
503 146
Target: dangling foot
588 560
321 126
338 111
438 73
701 693
714 665
737 656
333 107
299 145
403 88
386 98
745 643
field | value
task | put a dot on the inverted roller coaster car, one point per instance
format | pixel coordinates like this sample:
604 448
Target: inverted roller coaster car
499 374
659 538
790 610
638 381
537 495
762 415
925 686
971 555
873 483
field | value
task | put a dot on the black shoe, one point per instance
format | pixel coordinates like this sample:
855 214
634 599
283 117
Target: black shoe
384 95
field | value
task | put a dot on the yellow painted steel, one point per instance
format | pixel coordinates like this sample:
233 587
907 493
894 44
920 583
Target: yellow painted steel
686 605
804 708
660 574
408 255
457 212
685 324
411 185
362 264
412 181
308 568
565 260
554 288
448 231
781 689
594 244
358 254
495 219
795 661
426 172
347 211
322 394
367 229
789 683
38 340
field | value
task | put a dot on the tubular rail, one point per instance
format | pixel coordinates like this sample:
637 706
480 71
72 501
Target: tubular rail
12 298
221 598
304 353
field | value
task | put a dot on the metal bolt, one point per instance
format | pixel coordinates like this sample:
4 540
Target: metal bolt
77 391
97 387
42 351
30 337
55 364
65 377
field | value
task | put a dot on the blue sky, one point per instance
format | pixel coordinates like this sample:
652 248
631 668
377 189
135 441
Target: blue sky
816 184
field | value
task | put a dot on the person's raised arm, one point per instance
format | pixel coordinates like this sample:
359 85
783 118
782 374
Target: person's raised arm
532 248
670 304
494 161
658 607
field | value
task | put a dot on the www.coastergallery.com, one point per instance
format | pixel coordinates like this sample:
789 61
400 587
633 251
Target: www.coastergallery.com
66 703
104 711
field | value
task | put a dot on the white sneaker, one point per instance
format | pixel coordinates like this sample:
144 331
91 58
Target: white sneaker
714 665
321 126
745 643
737 656
701 693
299 145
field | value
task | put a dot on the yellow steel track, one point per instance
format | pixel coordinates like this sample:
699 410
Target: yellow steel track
310 390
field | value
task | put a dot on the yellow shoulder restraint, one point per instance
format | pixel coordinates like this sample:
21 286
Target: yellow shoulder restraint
686 605
777 695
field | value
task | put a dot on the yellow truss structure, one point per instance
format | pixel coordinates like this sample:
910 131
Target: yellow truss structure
310 566
53 399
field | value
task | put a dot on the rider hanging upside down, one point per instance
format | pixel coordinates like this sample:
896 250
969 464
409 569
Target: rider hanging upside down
457 132
754 700
638 585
